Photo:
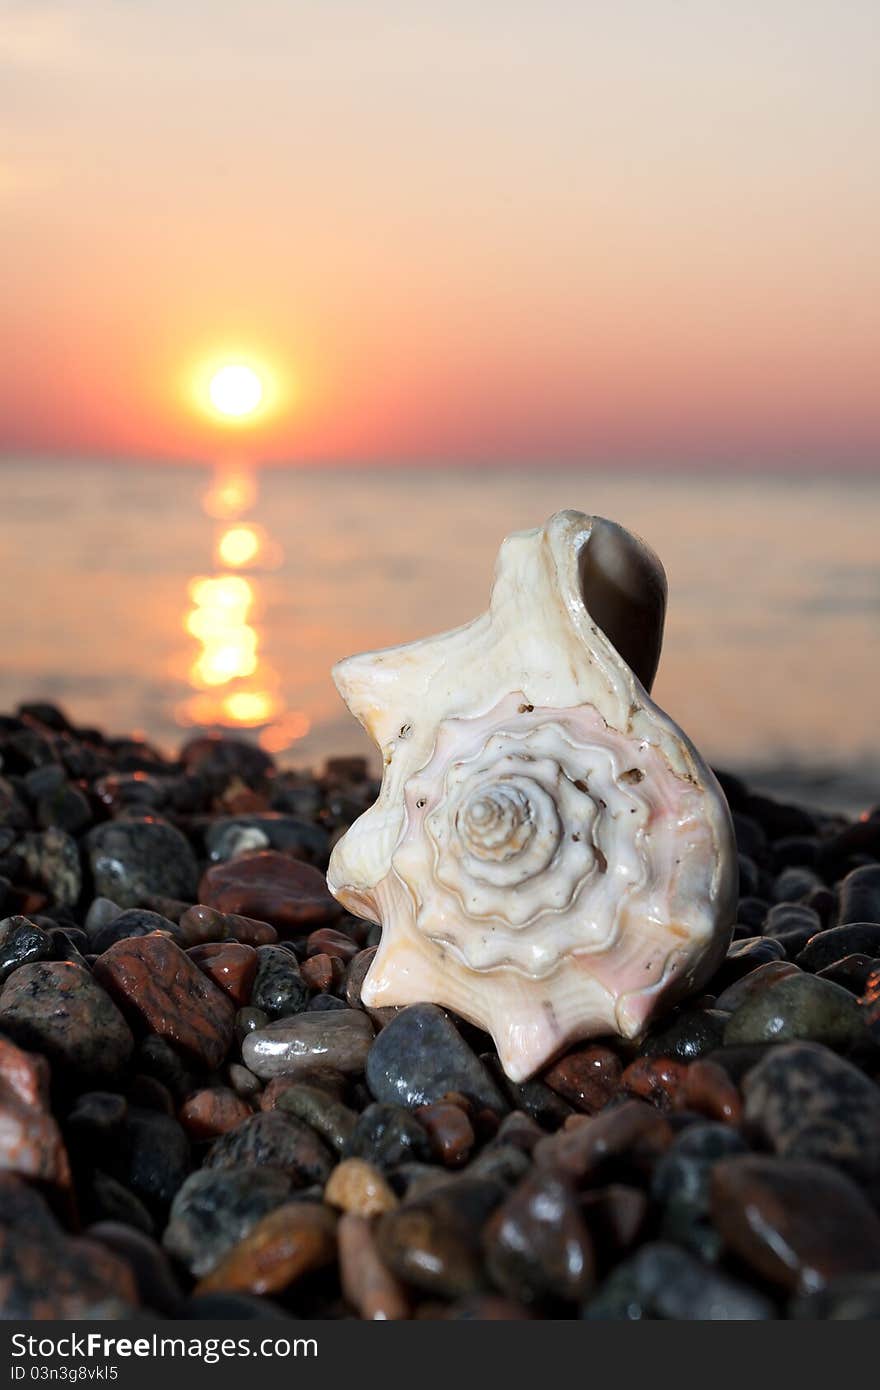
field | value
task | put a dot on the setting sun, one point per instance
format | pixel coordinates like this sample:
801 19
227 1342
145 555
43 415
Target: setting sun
235 390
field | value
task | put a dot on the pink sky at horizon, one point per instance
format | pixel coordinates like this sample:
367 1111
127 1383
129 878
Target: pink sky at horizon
643 233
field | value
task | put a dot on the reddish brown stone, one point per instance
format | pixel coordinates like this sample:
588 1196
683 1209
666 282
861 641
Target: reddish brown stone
796 1223
449 1130
272 887
26 1073
537 1244
291 1241
204 924
322 972
587 1078
709 1090
215 1110
30 1140
155 981
634 1128
326 941
701 1085
657 1079
230 965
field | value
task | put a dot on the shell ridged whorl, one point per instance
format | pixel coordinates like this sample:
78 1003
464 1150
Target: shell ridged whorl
548 855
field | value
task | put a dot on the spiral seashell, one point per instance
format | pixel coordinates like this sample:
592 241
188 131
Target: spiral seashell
548 855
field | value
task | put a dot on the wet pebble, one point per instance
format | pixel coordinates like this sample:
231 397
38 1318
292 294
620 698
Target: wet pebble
792 924
797 1006
279 988
330 942
449 1130
680 1185
274 1140
45 1274
300 1044
537 1244
273 888
745 956
50 860
323 973
159 985
229 965
215 1208
860 895
133 922
213 1111
367 1283
228 836
328 1117
420 1056
692 1033
796 1223
289 1242
587 1078
826 947
325 1003
634 1130
854 973
663 1281
803 1101
205 924
359 1187
22 941
794 884
388 1135
432 1243
131 859
154 1158
60 1010
756 980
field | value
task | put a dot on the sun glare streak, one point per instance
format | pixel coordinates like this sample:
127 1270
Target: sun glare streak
234 687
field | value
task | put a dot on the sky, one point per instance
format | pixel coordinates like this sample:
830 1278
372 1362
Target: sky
635 233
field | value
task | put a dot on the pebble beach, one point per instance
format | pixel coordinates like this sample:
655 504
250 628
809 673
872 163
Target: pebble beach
200 1119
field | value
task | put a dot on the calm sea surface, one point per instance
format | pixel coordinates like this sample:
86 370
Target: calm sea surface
772 653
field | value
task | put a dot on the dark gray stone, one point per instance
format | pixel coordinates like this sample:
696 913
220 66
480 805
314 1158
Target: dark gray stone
133 859
803 1101
279 988
797 1006
216 1208
420 1056
663 1281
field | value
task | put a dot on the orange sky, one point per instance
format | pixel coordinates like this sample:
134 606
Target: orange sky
498 232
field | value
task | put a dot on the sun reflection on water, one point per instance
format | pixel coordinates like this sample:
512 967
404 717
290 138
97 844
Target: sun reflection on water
234 686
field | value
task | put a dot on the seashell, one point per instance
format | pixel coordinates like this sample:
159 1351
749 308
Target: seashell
548 855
